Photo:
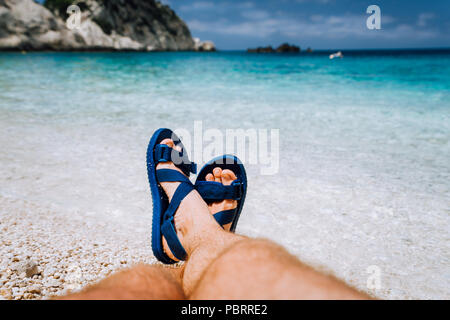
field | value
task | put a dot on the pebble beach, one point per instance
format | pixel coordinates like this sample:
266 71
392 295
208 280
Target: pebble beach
33 267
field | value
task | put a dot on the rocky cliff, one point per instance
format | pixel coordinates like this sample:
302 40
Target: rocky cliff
141 25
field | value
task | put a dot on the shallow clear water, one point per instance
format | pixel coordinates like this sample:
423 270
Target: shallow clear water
364 155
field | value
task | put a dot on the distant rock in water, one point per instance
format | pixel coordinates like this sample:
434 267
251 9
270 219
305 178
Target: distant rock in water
285 47
267 49
137 25
204 45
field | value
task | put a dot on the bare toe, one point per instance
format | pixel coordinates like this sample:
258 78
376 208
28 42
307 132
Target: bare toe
168 142
225 177
217 174
228 177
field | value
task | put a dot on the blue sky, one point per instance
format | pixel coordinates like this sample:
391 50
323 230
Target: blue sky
320 24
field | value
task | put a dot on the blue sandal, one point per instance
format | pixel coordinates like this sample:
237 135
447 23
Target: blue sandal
212 191
163 211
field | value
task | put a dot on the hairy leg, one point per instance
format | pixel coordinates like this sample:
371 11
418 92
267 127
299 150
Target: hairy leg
154 282
226 266
260 269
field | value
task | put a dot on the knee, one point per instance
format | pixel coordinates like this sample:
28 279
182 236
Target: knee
255 250
245 254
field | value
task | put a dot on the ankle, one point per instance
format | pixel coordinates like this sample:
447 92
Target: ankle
202 234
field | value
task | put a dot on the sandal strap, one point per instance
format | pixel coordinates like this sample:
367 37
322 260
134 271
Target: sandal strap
164 153
225 217
170 175
167 227
212 191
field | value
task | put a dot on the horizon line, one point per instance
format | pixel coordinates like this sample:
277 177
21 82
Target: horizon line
351 49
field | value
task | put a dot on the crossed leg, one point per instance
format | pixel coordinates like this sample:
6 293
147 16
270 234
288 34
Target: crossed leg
147 282
220 264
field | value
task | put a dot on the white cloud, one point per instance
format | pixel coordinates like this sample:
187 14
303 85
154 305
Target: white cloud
247 20
255 14
245 5
216 6
423 18
407 31
198 5
320 1
262 25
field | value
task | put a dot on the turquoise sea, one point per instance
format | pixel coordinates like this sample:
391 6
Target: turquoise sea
364 170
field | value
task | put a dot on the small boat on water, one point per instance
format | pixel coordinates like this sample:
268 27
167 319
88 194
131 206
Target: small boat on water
336 55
